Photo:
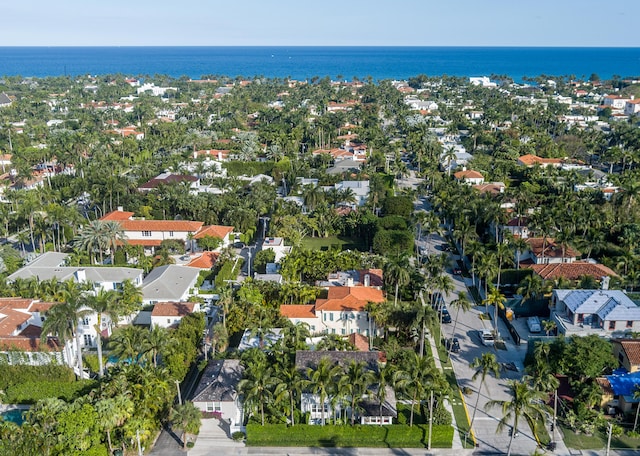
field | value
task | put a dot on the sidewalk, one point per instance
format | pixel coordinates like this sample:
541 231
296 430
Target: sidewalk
456 444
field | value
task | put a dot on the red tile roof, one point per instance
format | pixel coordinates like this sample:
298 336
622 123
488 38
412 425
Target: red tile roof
359 341
349 298
161 225
29 344
631 347
172 309
205 261
551 249
375 277
468 174
170 179
572 271
218 231
297 311
117 215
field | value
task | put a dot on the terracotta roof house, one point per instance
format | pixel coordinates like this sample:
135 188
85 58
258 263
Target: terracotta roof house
341 312
217 392
607 313
469 176
572 271
206 260
169 314
151 233
627 352
517 226
492 188
530 160
546 250
20 335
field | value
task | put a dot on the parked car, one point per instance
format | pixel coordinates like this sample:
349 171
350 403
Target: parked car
453 345
487 337
239 245
534 324
457 270
445 315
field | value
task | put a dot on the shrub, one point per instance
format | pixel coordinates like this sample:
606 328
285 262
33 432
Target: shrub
238 436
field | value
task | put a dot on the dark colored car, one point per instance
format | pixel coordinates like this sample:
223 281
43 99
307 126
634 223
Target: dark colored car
453 345
457 271
445 315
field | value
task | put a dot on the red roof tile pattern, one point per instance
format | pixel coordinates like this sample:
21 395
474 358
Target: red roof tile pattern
218 231
551 249
298 311
375 277
161 225
117 215
172 309
29 344
631 348
468 174
531 160
572 271
349 298
170 179
205 261
359 341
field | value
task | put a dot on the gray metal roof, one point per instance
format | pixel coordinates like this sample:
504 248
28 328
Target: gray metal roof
219 382
168 283
606 304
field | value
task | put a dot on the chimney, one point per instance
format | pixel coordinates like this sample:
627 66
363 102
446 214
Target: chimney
120 209
604 282
367 280
350 282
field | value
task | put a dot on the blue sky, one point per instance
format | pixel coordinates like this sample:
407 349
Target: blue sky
320 23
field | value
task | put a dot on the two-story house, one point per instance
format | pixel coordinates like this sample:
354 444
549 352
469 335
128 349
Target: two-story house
341 312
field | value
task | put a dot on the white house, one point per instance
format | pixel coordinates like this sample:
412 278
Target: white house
615 101
155 90
21 322
151 233
277 245
217 393
368 408
546 250
342 312
632 107
608 313
469 176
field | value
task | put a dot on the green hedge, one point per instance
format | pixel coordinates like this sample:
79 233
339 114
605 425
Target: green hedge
228 272
18 374
32 391
393 436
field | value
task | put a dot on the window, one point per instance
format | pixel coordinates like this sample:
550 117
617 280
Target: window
209 406
612 325
630 324
580 318
315 408
169 320
217 407
146 234
343 332
324 316
313 328
333 330
170 233
87 340
85 321
331 316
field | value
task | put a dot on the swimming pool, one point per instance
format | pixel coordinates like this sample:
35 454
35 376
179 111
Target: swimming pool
15 416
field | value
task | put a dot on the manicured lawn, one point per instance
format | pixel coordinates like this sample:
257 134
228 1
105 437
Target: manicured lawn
338 242
394 436
597 441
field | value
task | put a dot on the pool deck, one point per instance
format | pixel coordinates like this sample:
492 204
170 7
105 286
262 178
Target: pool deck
7 407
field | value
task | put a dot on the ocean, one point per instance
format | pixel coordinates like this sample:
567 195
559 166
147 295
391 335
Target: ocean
306 62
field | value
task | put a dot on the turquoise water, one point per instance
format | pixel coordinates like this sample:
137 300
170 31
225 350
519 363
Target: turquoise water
15 416
306 62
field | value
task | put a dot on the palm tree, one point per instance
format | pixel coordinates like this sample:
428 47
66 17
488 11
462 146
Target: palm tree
225 300
256 386
503 255
461 303
288 388
156 340
418 376
323 380
531 286
485 364
114 234
358 380
548 326
397 272
65 317
113 412
186 417
93 239
525 403
103 303
497 299
129 343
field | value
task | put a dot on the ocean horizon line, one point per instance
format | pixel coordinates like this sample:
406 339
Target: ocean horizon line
316 46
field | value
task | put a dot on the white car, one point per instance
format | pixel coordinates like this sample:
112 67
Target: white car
487 337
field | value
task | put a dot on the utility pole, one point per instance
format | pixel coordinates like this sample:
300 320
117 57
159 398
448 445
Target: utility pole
140 453
430 419
555 415
609 439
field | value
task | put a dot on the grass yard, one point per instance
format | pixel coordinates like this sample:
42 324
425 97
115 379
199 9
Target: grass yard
598 441
337 242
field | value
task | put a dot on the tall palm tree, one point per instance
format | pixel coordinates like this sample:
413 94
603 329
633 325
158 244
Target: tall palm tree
186 417
114 234
257 386
461 303
358 381
525 403
497 299
485 364
397 272
103 303
93 239
156 340
129 343
288 388
418 376
225 301
66 315
323 380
